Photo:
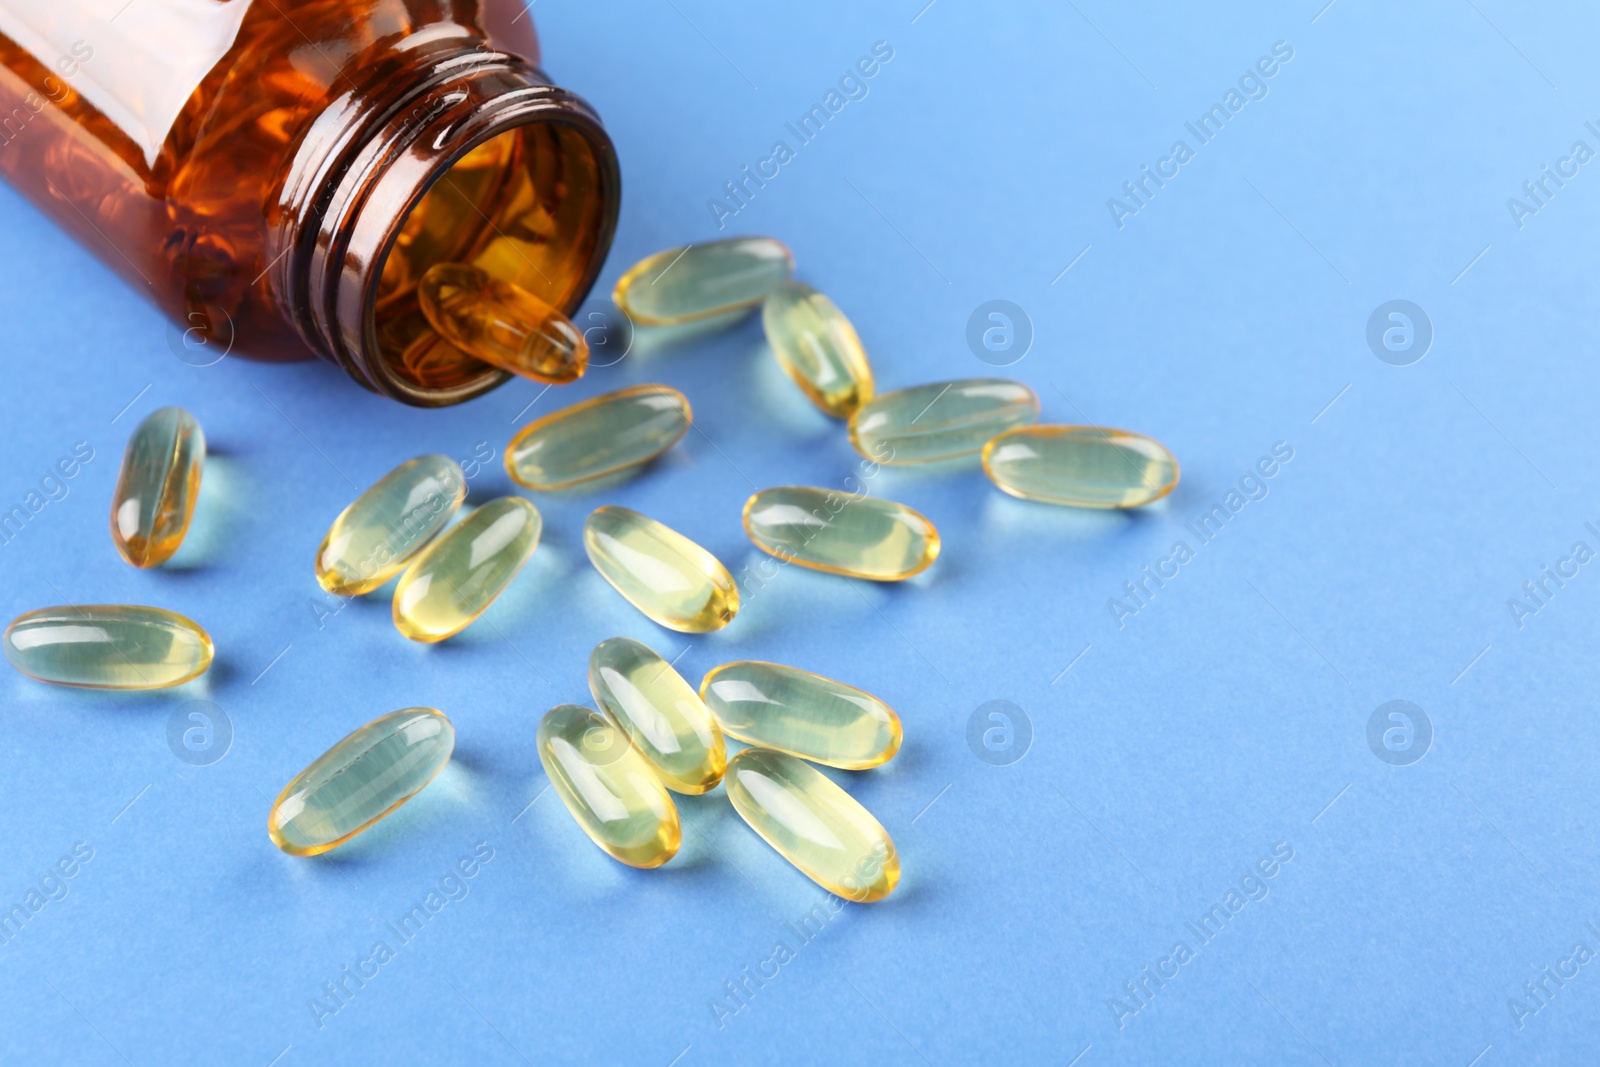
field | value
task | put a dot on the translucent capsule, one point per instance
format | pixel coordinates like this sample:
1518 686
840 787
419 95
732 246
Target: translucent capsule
1085 466
608 786
108 646
818 348
661 712
457 577
372 539
859 536
598 437
803 714
360 780
814 824
671 579
502 323
941 420
699 281
157 487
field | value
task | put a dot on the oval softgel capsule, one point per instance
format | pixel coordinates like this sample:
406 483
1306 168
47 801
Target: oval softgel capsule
804 714
360 780
598 437
858 536
372 540
817 348
502 323
609 788
814 824
1082 466
457 577
660 712
702 280
157 487
941 420
671 579
108 646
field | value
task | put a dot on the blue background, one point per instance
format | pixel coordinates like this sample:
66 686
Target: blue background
1224 719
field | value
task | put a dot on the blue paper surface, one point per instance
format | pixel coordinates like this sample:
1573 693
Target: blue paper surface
1215 764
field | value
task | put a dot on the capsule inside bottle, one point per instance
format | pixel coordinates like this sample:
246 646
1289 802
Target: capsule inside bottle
502 323
360 780
609 788
660 712
814 824
804 714
157 487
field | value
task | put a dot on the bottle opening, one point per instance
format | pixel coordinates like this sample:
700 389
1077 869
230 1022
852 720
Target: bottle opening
526 206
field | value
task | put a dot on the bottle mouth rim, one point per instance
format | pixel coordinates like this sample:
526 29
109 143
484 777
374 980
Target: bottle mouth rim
382 167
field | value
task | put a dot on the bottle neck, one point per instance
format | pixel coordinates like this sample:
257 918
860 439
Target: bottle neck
452 151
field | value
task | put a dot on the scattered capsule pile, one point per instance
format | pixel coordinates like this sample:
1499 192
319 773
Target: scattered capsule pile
615 769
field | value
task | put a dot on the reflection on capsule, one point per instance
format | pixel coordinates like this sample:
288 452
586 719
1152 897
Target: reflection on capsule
608 786
859 536
803 714
697 282
671 579
360 780
817 348
108 646
813 824
598 437
457 577
1084 466
941 420
660 712
157 487
502 323
372 539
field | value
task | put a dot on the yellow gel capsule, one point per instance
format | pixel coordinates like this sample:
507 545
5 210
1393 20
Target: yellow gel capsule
803 714
108 646
818 348
360 780
814 824
157 487
699 281
608 786
660 712
941 420
862 537
1085 466
372 539
502 323
598 437
671 579
457 577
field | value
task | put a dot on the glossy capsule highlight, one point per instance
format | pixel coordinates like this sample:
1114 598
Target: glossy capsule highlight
671 579
660 712
598 437
700 281
1082 466
940 421
108 646
817 348
360 780
804 714
814 824
502 323
609 788
457 577
372 539
157 487
859 536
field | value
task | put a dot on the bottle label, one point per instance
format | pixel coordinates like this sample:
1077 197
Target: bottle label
137 61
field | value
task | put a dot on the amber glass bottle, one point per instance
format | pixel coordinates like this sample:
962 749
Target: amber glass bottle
277 174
